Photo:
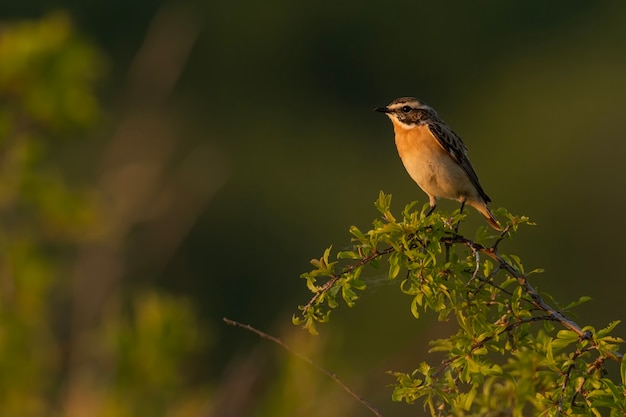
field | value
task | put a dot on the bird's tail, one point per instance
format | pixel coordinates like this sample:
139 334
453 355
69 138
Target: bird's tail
488 215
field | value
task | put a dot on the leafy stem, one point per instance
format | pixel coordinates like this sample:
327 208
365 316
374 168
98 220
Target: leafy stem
496 308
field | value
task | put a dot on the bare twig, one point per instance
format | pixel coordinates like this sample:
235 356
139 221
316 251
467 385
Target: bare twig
502 236
326 372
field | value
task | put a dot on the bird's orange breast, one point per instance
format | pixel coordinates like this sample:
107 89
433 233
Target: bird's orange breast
417 140
430 166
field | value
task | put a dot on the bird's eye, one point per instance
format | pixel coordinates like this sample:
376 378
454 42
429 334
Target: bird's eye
406 109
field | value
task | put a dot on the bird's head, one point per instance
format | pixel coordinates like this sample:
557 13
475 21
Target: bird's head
407 112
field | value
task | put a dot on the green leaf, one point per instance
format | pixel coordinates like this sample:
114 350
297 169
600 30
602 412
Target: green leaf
408 210
354 231
564 338
394 265
467 399
382 204
348 295
616 392
357 283
480 351
608 329
415 306
348 254
580 301
327 254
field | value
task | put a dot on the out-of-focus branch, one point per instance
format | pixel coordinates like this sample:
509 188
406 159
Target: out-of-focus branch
163 56
140 183
326 372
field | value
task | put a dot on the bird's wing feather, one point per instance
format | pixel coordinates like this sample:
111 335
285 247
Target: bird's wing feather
454 146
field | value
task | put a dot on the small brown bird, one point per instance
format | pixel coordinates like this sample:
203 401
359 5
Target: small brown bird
436 157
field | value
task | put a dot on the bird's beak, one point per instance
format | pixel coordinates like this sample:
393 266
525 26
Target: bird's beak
382 110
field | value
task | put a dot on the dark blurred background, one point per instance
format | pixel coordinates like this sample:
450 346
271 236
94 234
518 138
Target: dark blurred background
233 141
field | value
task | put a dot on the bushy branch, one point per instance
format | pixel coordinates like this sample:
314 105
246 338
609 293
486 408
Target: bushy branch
513 354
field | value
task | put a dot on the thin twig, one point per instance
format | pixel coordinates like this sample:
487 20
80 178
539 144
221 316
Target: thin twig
502 236
326 372
566 379
475 274
536 299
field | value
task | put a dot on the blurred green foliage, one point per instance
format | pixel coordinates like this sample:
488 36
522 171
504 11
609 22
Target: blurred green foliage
47 76
47 83
132 359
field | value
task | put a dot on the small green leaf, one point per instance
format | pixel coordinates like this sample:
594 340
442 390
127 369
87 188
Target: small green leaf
564 338
580 301
348 254
468 399
327 254
348 295
354 231
394 265
415 306
480 351
608 329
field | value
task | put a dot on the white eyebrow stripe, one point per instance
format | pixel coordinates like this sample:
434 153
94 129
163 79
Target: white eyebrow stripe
397 106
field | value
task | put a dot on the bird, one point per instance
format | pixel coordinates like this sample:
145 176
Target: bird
435 157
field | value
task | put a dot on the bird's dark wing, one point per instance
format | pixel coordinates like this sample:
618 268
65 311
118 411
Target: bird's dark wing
454 146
